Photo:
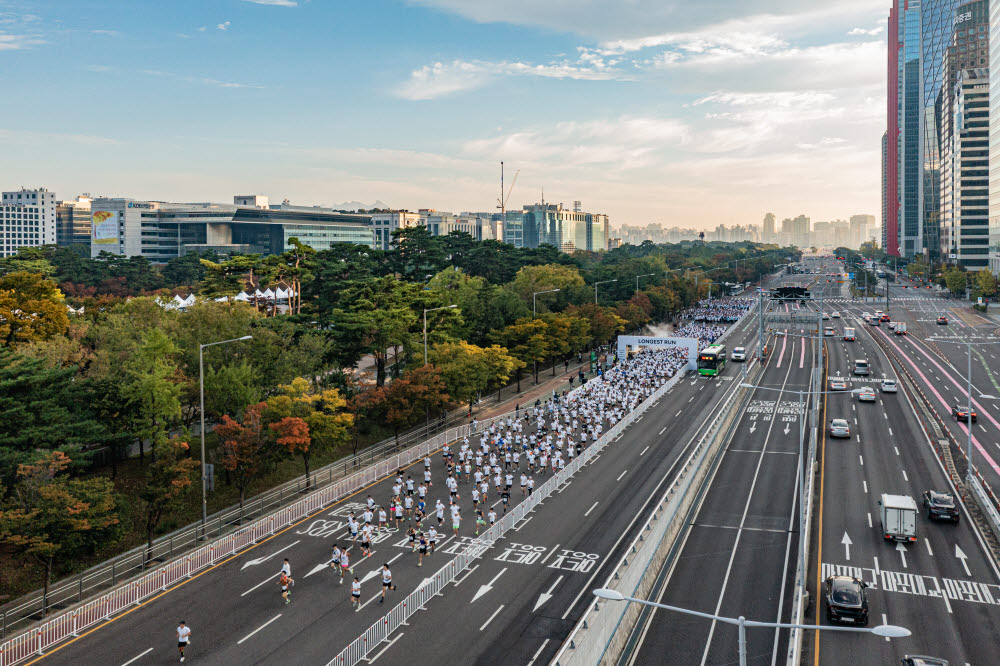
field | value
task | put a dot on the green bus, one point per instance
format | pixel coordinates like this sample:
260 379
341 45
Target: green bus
712 360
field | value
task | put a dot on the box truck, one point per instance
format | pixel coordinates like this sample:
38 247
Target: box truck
849 334
900 328
899 518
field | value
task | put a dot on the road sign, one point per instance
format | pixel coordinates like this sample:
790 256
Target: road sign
850 275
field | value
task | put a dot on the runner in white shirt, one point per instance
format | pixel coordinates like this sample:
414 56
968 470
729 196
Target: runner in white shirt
356 594
386 581
183 638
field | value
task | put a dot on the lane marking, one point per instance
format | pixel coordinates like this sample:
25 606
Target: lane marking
885 620
258 629
862 459
661 431
927 542
382 651
644 450
869 519
495 613
540 648
591 509
459 582
621 475
896 448
137 657
904 476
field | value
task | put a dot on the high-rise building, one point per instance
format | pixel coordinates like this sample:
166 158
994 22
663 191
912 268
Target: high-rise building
965 173
73 222
27 218
892 138
885 179
994 139
769 235
564 228
860 224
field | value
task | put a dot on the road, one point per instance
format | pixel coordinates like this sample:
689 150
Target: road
943 587
739 555
531 585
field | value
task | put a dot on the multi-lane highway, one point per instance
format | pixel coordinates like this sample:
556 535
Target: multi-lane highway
516 604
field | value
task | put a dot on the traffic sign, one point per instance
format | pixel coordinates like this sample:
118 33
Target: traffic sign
850 275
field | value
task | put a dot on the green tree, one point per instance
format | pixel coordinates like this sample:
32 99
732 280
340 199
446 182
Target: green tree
168 484
955 280
231 388
985 284
531 279
469 370
416 253
154 389
528 341
31 309
187 269
52 518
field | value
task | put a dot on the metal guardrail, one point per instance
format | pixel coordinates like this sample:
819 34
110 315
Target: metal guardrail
379 632
592 637
159 578
986 504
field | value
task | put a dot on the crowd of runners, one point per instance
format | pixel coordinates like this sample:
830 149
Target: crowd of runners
718 309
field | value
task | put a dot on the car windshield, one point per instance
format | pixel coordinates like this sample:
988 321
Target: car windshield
839 423
942 500
846 593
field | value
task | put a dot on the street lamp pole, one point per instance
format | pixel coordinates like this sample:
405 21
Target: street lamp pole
201 403
445 307
637 281
883 630
533 308
601 282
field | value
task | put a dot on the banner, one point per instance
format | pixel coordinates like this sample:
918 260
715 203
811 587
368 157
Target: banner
104 225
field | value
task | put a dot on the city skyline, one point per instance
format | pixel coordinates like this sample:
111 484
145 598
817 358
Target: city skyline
695 119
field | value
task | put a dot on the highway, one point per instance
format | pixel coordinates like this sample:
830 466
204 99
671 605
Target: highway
515 605
739 554
944 587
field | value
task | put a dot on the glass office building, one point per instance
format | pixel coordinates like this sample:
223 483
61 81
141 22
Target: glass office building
994 140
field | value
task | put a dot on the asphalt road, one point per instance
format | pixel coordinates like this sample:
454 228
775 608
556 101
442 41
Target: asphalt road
953 611
236 614
739 556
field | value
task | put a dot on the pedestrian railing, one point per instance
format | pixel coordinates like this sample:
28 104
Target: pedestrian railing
604 628
379 632
133 592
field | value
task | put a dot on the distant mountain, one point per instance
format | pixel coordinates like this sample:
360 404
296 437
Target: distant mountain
355 205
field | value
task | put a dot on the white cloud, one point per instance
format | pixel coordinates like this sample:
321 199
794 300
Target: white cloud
862 31
202 28
22 137
106 33
199 79
98 68
439 79
275 3
14 42
224 25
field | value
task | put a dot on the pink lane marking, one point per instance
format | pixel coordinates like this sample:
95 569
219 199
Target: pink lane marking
784 343
802 356
786 308
979 447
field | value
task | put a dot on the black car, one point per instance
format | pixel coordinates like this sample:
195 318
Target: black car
942 320
846 601
961 413
940 506
923 660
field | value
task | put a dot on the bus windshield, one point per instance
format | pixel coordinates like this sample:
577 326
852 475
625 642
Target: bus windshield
711 360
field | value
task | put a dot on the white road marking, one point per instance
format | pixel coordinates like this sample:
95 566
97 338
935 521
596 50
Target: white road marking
862 459
382 651
495 613
550 555
679 412
644 450
865 484
927 542
664 428
905 477
896 448
869 519
523 523
483 589
137 657
259 560
885 620
258 629
459 582
591 509
621 475
542 647
890 432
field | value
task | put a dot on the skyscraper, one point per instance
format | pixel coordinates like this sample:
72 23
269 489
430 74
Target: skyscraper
890 218
994 140
769 236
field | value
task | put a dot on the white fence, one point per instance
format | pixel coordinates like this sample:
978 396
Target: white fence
379 632
70 623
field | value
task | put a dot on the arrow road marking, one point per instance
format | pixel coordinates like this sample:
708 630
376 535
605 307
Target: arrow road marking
260 560
902 552
847 546
483 589
753 426
319 567
960 555
787 426
545 596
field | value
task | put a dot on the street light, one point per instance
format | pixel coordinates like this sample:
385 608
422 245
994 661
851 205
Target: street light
444 307
968 393
883 630
637 281
533 308
601 282
201 390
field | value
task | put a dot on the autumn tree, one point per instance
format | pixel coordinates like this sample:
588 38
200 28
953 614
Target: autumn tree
292 434
52 518
169 482
406 401
531 279
469 370
245 448
528 341
31 309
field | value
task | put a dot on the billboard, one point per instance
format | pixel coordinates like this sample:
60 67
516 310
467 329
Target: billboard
104 227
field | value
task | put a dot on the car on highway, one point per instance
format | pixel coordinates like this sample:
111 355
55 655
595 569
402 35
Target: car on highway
940 506
738 354
861 367
835 314
892 325
873 321
838 384
849 334
828 331
942 320
885 317
889 386
846 600
840 428
923 660
866 394
826 316
866 315
878 314
961 413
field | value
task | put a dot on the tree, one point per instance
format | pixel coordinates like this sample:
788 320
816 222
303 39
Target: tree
31 309
604 323
169 482
380 317
531 279
187 269
230 388
408 400
985 283
416 253
955 280
154 389
245 447
528 341
43 408
52 518
292 433
468 370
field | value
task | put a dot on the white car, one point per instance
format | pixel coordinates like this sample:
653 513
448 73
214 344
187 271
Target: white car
828 331
825 316
838 384
866 315
835 315
889 386
892 326
866 394
738 354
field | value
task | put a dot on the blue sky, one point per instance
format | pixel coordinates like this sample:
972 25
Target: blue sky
649 110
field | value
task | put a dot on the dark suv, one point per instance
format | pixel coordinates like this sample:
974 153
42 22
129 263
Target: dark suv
846 601
961 413
922 660
940 506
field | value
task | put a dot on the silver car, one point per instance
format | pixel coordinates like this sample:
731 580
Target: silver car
840 428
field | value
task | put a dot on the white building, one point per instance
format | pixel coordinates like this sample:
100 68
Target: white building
383 224
27 218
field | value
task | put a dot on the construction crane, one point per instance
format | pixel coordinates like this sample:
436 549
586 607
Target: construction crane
502 201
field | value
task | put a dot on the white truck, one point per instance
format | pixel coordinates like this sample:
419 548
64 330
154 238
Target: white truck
900 328
849 334
899 518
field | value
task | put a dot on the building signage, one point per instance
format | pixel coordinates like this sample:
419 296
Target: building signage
132 204
104 227
962 17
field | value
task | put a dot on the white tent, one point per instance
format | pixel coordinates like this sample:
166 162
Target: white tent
280 294
190 300
242 296
268 294
178 300
259 294
222 299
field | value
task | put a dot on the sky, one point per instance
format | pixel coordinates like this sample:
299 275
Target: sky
683 113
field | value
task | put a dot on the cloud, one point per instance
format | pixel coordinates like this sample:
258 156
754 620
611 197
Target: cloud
224 26
202 28
22 137
439 79
862 31
106 33
98 68
275 3
15 42
199 79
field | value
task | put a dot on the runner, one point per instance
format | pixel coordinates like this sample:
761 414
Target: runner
356 594
480 521
432 537
386 581
284 582
183 638
423 549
